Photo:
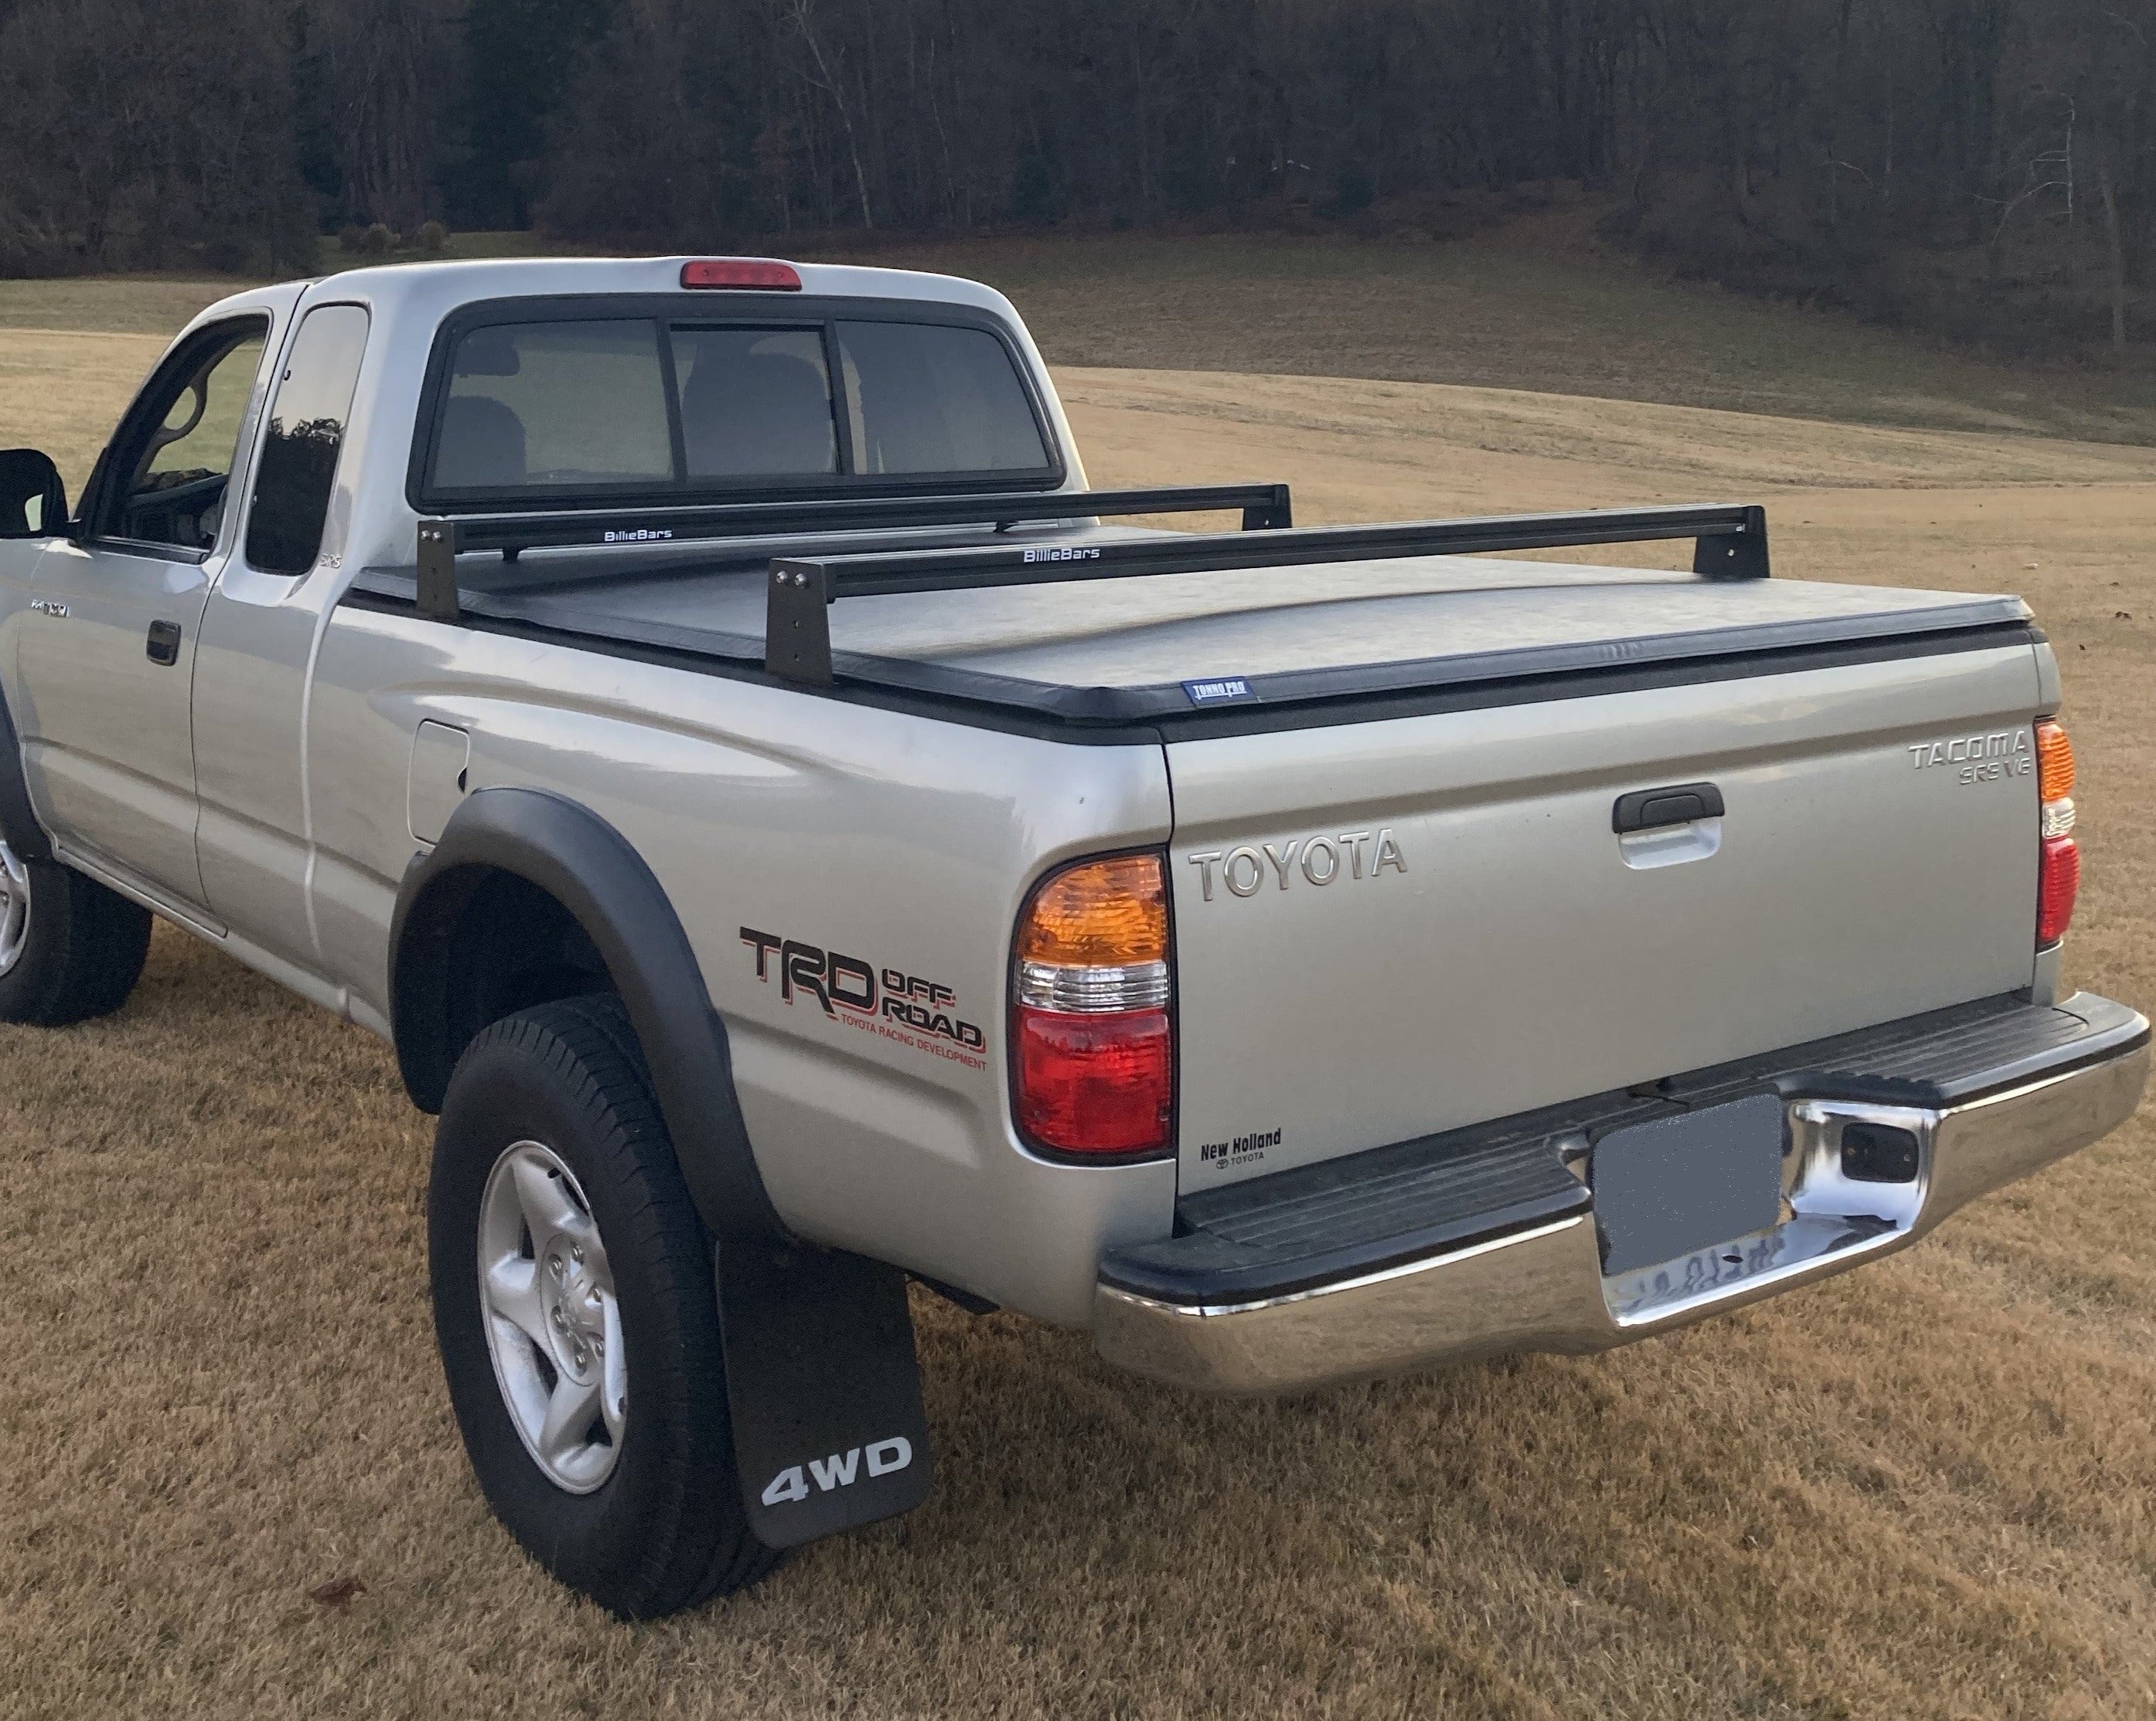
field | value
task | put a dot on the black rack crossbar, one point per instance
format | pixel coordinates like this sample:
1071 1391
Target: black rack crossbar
1264 507
1730 543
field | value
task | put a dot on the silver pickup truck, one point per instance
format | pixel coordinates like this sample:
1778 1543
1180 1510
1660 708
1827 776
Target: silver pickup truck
694 710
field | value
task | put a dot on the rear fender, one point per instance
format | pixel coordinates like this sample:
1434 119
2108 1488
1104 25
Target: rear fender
820 1359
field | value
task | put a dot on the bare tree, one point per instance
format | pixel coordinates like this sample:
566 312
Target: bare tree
801 18
1872 153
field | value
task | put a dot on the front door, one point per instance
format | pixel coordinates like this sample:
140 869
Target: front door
108 662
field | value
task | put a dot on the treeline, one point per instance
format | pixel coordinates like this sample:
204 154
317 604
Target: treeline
1981 166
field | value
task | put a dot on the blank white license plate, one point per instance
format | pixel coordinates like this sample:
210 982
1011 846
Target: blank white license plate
1666 1189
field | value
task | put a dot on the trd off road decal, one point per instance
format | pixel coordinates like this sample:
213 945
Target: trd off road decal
885 1001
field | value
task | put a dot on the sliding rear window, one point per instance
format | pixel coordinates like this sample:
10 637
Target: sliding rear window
546 410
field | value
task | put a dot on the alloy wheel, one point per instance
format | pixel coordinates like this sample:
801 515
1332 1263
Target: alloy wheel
553 1324
15 908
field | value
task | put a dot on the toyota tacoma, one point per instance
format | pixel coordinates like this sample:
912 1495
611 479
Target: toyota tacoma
797 842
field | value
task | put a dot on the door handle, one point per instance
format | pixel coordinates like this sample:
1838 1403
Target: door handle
1679 804
164 643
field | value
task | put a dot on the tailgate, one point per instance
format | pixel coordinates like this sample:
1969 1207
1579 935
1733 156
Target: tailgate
1388 929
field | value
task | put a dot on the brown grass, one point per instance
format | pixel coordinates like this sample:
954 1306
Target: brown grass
62 391
1922 1490
1537 304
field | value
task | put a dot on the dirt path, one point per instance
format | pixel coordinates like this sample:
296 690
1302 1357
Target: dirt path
1923 1491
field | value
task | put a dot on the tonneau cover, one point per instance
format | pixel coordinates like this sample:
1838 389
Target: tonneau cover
1123 649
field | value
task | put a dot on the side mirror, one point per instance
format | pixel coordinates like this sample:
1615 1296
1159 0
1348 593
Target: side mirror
32 500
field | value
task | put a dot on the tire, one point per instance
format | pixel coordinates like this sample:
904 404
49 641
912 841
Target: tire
69 949
550 1125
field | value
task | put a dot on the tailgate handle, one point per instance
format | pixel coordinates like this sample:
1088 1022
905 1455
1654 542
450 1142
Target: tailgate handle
1679 804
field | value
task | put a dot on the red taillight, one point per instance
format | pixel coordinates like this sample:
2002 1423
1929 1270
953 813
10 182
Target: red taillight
2059 858
2058 881
754 274
1093 1058
1095 1084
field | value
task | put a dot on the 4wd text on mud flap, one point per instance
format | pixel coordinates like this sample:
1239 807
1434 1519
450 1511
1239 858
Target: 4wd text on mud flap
839 1470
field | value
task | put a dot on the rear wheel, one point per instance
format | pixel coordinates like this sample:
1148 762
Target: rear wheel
69 949
577 1317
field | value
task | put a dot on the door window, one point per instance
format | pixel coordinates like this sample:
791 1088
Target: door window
298 467
176 446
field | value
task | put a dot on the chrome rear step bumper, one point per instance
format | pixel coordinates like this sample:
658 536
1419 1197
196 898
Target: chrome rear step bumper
1484 1242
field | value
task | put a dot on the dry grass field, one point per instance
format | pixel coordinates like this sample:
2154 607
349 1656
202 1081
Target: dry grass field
1927 1489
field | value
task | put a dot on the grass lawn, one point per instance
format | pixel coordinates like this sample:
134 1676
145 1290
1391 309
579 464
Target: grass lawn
1534 306
1537 305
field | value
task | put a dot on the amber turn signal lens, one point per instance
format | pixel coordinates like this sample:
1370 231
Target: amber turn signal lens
1103 913
2054 762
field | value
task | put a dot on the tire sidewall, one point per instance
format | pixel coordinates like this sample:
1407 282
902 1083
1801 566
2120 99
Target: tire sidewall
85 952
508 1088
27 989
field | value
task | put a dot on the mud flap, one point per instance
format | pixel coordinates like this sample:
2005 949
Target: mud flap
824 1388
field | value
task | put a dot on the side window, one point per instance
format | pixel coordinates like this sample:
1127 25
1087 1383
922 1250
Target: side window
298 467
175 448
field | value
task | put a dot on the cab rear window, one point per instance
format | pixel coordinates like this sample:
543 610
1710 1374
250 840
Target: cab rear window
614 406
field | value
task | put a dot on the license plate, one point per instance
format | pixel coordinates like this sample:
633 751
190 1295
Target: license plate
1678 1185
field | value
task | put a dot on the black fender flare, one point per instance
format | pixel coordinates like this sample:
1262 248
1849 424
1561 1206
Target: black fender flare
18 819
590 869
820 1349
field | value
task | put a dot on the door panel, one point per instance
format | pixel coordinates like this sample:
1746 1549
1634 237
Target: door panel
108 668
107 737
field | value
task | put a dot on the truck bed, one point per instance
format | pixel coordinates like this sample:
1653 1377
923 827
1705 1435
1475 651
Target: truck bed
1122 651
